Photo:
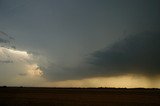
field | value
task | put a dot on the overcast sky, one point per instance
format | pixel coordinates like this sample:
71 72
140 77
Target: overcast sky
61 40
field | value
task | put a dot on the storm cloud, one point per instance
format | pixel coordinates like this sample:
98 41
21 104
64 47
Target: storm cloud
59 40
135 54
139 53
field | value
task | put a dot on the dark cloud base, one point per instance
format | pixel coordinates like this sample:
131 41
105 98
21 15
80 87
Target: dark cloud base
136 54
140 51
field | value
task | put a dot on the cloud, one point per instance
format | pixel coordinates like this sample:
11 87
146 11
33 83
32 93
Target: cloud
139 53
3 41
6 40
18 66
135 54
12 57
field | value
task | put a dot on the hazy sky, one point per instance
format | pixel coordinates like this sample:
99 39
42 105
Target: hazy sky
80 43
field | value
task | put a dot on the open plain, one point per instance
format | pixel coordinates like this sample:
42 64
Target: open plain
39 96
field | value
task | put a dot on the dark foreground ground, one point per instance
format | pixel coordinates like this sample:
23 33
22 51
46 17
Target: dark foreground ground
22 96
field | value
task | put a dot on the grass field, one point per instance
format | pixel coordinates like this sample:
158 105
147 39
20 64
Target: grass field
34 96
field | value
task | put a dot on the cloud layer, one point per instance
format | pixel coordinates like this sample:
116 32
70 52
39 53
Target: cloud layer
136 54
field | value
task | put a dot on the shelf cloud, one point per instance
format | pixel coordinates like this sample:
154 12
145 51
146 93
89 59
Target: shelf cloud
135 54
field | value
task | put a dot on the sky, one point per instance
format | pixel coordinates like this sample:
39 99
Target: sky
80 43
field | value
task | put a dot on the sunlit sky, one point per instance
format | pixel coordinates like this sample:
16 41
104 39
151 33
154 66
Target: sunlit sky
80 43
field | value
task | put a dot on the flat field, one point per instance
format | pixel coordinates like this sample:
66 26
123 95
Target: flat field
34 96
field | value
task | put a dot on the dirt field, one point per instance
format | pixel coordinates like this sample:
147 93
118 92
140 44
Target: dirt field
22 96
